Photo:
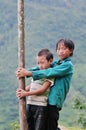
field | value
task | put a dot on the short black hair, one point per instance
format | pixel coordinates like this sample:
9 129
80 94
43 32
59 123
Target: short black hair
47 53
68 43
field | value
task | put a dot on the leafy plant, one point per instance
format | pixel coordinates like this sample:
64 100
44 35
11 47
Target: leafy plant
14 126
79 105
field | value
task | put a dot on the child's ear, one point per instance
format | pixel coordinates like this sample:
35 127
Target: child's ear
71 52
51 60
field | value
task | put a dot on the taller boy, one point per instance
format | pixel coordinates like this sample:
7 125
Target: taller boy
62 70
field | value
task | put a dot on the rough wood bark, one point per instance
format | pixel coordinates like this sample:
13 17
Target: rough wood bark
21 59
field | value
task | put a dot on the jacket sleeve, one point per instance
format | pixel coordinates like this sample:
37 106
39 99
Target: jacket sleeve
61 70
37 68
33 68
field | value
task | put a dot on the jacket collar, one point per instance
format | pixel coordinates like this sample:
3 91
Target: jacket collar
64 60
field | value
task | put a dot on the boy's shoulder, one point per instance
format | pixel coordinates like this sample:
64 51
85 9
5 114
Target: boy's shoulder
58 62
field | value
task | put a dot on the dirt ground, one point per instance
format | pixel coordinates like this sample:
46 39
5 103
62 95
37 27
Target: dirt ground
62 127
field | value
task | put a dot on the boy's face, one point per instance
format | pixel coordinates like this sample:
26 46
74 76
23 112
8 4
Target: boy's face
42 62
63 51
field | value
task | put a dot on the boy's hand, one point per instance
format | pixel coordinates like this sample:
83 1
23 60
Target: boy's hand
20 93
21 72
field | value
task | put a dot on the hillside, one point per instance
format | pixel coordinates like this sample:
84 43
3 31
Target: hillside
45 23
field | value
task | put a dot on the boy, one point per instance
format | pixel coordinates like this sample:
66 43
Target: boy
62 70
37 93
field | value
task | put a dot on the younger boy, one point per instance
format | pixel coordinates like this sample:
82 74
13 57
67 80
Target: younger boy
62 70
37 93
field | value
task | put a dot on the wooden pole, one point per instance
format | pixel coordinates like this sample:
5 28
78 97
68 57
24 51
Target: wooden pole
21 58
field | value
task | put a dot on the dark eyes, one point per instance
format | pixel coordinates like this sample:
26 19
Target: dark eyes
61 49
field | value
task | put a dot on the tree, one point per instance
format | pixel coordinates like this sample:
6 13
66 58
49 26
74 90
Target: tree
81 107
21 57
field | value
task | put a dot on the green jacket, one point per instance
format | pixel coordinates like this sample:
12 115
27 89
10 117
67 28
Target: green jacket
62 72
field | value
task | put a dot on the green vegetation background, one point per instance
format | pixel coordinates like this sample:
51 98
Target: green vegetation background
45 23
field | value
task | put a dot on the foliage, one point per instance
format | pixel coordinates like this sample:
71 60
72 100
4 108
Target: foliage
14 126
81 107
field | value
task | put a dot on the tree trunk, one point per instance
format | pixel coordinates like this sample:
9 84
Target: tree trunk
21 58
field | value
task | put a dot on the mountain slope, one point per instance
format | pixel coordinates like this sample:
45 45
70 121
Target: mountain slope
45 23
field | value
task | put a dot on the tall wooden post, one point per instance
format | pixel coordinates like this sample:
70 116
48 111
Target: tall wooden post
21 58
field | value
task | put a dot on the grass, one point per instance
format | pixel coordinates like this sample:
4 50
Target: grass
63 127
74 128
